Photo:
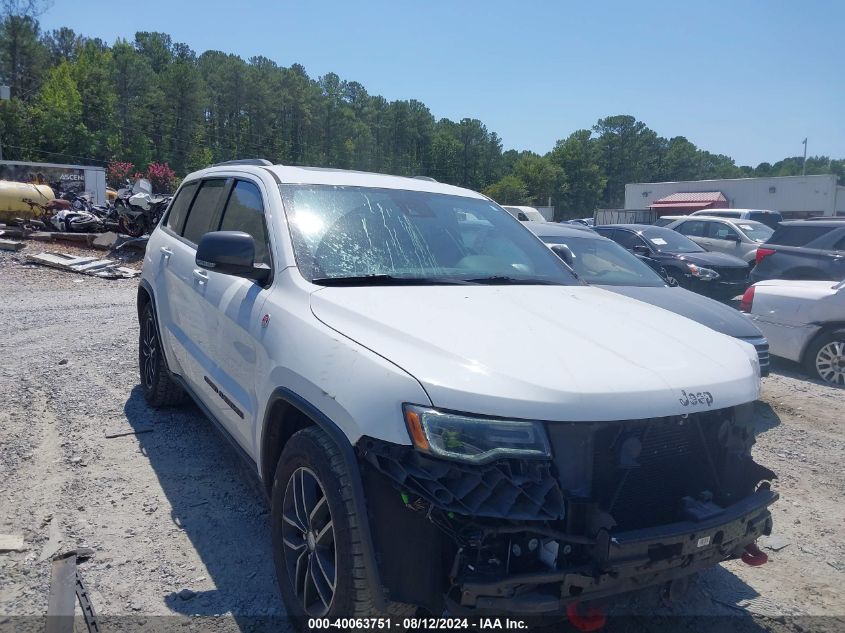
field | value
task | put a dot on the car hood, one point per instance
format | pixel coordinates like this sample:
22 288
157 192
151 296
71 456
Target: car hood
717 316
570 353
710 258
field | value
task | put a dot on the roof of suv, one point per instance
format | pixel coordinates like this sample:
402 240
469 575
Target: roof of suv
830 224
637 228
733 210
342 177
717 218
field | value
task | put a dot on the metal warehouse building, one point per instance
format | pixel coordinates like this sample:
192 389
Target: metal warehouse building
794 196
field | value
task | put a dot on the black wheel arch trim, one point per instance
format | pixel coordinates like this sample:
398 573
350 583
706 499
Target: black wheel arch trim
147 287
358 497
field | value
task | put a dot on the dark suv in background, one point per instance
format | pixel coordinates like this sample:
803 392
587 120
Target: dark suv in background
803 249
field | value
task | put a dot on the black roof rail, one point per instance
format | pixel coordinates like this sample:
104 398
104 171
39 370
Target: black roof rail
261 162
428 178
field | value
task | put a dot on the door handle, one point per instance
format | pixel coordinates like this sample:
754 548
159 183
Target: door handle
166 252
200 275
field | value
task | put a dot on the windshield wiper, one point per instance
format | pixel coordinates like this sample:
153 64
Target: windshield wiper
504 280
387 280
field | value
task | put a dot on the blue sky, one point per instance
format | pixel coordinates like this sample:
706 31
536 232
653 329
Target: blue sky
749 79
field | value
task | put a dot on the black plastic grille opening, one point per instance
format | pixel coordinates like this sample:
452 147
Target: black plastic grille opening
642 469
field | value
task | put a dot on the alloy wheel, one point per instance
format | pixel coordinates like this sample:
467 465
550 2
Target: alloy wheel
149 352
830 362
309 543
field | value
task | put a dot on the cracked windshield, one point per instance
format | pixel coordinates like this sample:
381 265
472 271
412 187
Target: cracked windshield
372 235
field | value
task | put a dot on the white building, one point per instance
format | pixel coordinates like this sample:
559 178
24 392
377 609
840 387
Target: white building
794 196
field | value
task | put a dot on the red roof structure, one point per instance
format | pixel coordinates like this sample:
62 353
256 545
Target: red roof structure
690 201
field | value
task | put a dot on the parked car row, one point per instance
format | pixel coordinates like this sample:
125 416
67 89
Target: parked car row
793 274
796 249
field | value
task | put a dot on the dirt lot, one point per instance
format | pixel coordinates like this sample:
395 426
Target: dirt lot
173 508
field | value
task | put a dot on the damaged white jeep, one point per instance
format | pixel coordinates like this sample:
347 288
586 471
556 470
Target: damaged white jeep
443 416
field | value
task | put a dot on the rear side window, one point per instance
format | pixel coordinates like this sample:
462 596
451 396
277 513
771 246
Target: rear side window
203 209
179 207
769 219
245 212
720 231
627 239
797 234
693 228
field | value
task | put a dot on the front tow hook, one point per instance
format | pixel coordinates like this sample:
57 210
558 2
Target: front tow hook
754 556
585 617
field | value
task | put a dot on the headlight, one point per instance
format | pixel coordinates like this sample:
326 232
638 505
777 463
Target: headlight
704 274
473 439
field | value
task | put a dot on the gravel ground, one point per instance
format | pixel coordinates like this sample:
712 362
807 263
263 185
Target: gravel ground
180 527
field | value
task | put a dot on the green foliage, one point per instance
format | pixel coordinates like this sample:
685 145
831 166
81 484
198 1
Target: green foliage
544 179
509 190
57 114
577 157
153 100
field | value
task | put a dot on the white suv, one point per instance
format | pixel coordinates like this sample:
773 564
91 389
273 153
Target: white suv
353 335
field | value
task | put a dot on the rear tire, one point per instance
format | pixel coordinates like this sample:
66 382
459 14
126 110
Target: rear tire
825 357
160 390
317 549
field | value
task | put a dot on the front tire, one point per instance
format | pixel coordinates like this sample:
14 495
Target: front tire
160 390
825 357
317 549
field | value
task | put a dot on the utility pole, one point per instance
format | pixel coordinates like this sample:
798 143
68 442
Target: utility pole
804 163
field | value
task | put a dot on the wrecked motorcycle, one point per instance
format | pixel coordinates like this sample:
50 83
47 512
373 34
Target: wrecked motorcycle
138 209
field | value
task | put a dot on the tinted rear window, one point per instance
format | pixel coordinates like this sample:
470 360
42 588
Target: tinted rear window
797 234
762 217
179 207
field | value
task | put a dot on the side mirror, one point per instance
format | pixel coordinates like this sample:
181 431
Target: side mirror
562 251
231 253
641 249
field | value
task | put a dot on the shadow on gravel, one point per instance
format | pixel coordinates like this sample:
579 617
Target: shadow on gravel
765 418
791 369
219 505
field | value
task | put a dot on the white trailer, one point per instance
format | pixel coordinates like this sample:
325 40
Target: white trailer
61 178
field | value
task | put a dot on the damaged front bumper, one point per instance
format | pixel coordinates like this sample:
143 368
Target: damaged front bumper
632 560
619 506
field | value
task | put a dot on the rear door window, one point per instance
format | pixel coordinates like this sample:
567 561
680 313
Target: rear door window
245 212
721 231
179 207
628 239
797 234
692 228
204 209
